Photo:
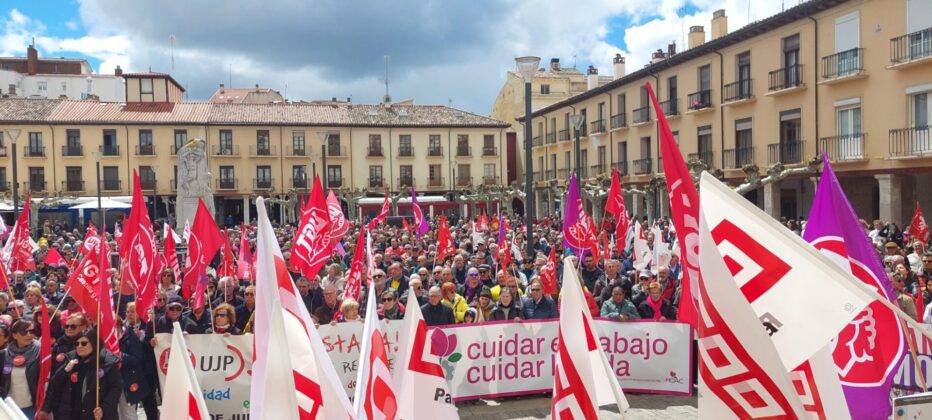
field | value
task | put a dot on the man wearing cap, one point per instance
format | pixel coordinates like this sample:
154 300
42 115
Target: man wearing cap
173 313
639 294
891 248
485 275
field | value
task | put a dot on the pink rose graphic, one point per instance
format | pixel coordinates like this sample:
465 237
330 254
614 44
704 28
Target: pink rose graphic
444 345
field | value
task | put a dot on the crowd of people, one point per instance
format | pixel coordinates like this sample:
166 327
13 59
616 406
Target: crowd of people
472 285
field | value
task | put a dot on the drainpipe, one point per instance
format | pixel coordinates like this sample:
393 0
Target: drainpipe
656 126
815 80
721 112
52 152
611 135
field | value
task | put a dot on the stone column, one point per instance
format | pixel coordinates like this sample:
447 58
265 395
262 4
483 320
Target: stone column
772 199
891 191
246 217
635 205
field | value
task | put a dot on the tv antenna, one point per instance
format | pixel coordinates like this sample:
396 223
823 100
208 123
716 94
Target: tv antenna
387 99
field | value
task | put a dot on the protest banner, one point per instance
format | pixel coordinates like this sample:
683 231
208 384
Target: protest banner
486 360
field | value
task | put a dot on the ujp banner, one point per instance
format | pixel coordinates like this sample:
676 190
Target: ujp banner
485 360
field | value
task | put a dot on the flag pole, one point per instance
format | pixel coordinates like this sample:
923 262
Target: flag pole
912 353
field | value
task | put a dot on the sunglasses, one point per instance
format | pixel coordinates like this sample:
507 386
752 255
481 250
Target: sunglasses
535 290
416 287
73 326
379 275
388 299
221 315
174 309
473 274
250 294
82 343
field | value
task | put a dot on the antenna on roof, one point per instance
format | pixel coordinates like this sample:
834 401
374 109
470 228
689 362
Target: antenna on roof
387 98
171 48
574 61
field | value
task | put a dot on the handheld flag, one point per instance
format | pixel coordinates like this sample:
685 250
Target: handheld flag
54 258
244 266
578 229
203 244
354 278
386 208
445 246
313 243
918 228
375 394
420 222
170 254
140 254
21 252
227 264
45 354
548 274
182 398
338 223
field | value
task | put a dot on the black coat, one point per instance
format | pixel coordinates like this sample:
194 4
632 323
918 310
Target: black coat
62 347
134 366
498 314
437 315
164 325
666 310
64 386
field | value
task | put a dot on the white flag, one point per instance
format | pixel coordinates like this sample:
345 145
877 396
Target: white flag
819 387
740 372
476 237
642 253
661 253
375 394
317 389
181 395
420 383
802 298
186 232
583 380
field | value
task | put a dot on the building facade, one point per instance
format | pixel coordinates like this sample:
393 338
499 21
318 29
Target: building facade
55 78
253 149
850 79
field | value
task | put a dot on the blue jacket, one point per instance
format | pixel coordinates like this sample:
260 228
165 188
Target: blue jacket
545 309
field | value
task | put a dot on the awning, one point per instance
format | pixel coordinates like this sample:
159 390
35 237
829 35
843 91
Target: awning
105 203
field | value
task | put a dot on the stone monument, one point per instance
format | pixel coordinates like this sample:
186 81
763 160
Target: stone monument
193 181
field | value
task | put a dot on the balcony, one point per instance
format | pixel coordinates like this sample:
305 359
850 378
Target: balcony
110 149
584 130
490 150
72 151
706 157
35 151
786 80
786 152
406 151
463 181
597 170
911 142
467 151
298 183
147 184
738 157
226 184
910 49
36 186
537 176
597 127
843 148
563 174
376 182
145 150
435 182
72 185
334 182
564 135
622 168
551 138
262 151
490 180
535 141
618 121
110 185
435 151
739 91
846 65
699 101
669 108
642 166
374 151
296 151
336 151
229 150
641 115
405 181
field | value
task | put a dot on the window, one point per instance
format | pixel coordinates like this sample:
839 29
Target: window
553 165
263 145
488 145
35 145
181 138
375 176
790 149
705 77
72 143
111 175
227 179
73 179
645 148
848 129
462 145
404 146
145 142
36 179
791 59
297 143
488 170
847 41
299 176
583 163
434 175
463 175
601 157
375 145
145 86
544 89
743 143
333 145
226 142
43 87
433 145
64 86
263 176
671 88
110 145
744 75
919 108
3 184
406 176
147 177
567 164
334 176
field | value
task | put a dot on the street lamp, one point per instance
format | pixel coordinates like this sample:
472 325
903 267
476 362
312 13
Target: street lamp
14 135
578 121
527 67
100 220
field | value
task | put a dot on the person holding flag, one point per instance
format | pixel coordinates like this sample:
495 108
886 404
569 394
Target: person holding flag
88 385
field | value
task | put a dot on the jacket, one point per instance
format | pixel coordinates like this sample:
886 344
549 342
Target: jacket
613 310
666 310
62 389
7 356
458 305
545 309
164 325
498 312
136 384
438 315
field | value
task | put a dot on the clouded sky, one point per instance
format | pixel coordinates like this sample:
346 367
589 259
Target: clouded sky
441 51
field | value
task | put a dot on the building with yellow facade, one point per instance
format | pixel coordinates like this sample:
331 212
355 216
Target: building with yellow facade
851 79
268 149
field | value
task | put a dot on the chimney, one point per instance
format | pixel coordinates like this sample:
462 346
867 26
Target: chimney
32 59
257 87
118 71
657 56
222 89
671 49
554 64
719 24
592 78
618 66
696 36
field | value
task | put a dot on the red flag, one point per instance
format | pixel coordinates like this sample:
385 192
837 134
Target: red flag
386 208
338 223
919 229
405 225
140 254
445 247
503 244
354 278
548 274
245 269
54 258
82 285
313 244
106 324
615 205
45 354
684 206
483 222
606 249
91 240
227 265
21 255
4 279
170 255
203 244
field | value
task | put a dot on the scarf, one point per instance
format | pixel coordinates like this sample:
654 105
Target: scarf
655 306
472 292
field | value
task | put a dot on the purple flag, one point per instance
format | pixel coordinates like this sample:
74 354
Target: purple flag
867 352
420 222
573 238
501 228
